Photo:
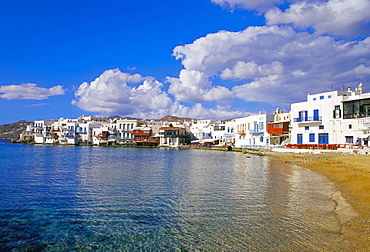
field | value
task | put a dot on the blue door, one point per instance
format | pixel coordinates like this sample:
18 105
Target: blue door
323 138
316 115
299 139
300 116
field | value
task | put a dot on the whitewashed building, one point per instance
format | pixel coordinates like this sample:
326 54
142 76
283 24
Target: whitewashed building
173 136
252 131
335 117
229 133
124 128
201 130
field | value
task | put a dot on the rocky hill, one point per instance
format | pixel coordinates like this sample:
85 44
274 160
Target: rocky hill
13 130
175 119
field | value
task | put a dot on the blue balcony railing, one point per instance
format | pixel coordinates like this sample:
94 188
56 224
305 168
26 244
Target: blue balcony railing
309 119
256 132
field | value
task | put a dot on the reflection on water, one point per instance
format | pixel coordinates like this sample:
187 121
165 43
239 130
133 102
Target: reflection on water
94 198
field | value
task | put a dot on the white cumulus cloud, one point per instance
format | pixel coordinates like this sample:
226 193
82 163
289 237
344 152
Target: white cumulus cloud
338 17
194 86
273 60
29 91
247 70
118 93
200 112
115 92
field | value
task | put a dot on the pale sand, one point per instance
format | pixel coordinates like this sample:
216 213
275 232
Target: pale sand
351 175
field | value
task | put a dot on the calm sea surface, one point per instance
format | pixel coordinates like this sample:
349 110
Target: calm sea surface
67 198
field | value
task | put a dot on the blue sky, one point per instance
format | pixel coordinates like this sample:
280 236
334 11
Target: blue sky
196 58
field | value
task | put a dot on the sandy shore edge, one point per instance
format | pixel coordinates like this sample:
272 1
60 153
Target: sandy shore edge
350 173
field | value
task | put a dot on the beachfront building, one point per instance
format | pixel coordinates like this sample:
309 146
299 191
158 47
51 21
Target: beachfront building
201 129
279 129
332 118
124 128
229 133
173 136
100 135
217 133
143 136
38 132
251 131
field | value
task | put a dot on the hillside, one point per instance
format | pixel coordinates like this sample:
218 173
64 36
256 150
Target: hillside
13 130
175 119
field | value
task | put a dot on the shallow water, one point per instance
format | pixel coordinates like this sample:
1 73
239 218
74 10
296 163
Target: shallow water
63 198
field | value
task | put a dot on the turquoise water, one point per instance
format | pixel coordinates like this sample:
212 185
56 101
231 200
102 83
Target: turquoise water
74 198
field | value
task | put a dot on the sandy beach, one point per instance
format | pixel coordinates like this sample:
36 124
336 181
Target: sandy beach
351 175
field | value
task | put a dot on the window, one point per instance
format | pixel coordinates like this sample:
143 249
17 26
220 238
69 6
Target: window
321 97
307 127
302 116
255 124
337 113
321 127
349 139
312 138
350 126
261 139
314 99
261 125
356 109
329 96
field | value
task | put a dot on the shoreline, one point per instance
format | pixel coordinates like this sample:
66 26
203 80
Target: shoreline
350 174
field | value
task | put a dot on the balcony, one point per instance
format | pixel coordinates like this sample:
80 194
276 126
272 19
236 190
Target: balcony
142 132
256 132
308 119
70 135
173 135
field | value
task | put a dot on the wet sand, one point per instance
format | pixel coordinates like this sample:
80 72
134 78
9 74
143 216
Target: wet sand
351 175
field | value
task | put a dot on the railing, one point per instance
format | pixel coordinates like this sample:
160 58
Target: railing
255 132
172 135
309 119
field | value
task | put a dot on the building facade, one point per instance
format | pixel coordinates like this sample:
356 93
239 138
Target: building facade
173 136
332 118
252 131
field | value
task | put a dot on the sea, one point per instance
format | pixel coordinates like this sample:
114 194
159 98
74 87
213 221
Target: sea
89 198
